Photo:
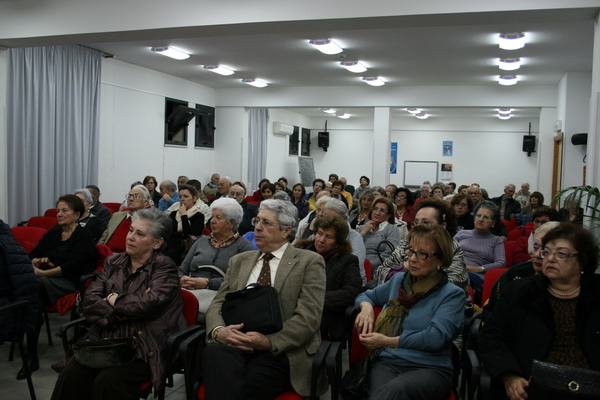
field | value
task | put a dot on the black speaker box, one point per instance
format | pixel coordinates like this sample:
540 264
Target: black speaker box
323 140
529 143
579 138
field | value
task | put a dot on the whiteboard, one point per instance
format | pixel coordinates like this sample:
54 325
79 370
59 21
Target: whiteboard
307 170
415 172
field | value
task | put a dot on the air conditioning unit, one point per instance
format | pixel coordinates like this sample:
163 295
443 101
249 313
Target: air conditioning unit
279 128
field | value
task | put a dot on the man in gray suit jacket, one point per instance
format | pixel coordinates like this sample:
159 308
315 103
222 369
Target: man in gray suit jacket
239 364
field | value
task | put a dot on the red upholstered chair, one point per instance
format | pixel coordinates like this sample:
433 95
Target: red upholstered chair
28 236
489 280
515 234
113 207
368 270
509 247
51 212
42 222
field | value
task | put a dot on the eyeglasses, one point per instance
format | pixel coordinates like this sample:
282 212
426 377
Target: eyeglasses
416 222
263 221
379 210
421 255
483 217
134 196
559 255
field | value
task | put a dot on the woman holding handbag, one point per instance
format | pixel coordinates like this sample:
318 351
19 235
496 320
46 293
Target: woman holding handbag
136 295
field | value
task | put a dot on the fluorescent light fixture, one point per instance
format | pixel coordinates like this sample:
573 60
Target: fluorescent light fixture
373 80
413 110
503 110
329 110
509 64
353 66
343 116
421 115
326 46
219 69
512 40
504 116
255 82
171 52
507 80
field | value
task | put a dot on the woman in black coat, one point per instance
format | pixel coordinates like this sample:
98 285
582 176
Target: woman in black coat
343 275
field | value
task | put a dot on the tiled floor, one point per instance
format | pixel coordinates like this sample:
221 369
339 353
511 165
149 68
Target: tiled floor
45 378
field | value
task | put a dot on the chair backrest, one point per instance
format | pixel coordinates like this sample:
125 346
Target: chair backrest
51 212
112 207
190 307
250 199
357 350
42 222
509 248
103 253
515 234
368 270
489 280
28 236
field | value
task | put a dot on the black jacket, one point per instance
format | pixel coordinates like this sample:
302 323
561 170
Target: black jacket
512 206
17 281
250 211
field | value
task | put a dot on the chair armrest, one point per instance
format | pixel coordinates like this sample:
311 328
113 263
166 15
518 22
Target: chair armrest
64 328
83 279
334 368
319 362
485 386
172 347
15 305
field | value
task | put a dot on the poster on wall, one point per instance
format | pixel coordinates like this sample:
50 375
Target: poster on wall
446 173
394 158
447 148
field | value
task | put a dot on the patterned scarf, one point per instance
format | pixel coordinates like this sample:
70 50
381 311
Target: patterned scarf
216 243
389 321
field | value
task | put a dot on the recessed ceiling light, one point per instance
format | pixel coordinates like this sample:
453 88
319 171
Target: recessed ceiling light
326 46
255 82
421 115
504 110
413 110
512 40
507 80
373 80
343 116
509 64
353 66
219 69
329 110
504 116
171 52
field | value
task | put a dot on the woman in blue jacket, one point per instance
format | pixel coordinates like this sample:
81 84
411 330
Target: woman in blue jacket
410 342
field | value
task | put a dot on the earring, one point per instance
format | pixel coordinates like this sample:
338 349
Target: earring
439 267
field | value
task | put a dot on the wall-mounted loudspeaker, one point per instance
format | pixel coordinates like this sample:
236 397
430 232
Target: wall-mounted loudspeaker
579 138
323 140
529 143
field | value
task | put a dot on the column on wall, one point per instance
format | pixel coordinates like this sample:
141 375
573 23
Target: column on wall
593 150
545 152
381 146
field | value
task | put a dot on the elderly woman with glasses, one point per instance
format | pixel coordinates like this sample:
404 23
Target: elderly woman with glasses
552 317
206 263
482 249
410 342
379 227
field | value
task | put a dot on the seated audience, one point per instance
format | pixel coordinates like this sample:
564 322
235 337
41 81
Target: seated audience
463 205
341 268
524 245
182 180
65 253
281 195
337 190
318 185
474 192
522 196
210 189
284 184
571 212
481 248
198 186
136 292
188 224
298 194
536 200
223 187
424 191
508 206
238 193
410 342
380 226
390 191
87 219
98 209
378 191
438 191
267 191
168 191
306 226
257 195
552 317
118 226
150 183
462 189
248 364
359 215
404 206
449 190
363 186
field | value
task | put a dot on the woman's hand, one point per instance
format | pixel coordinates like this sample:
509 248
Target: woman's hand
182 210
365 318
38 272
370 226
515 386
42 262
476 269
374 341
189 283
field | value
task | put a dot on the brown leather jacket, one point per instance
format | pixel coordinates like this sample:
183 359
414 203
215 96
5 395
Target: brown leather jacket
149 306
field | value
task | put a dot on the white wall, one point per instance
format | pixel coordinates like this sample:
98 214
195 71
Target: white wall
3 155
132 129
231 138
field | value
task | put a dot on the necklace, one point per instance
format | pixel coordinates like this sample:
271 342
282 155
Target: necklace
563 294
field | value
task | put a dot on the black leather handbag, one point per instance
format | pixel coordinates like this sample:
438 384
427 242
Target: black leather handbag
257 307
551 381
105 353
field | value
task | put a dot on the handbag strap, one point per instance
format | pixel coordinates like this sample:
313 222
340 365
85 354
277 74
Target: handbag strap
211 268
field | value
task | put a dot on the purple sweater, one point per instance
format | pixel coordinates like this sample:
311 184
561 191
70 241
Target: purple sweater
481 249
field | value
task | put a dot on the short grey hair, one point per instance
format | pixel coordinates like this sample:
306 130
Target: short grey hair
490 205
338 206
161 223
87 195
378 189
168 185
287 213
281 195
230 208
425 186
144 190
323 200
542 229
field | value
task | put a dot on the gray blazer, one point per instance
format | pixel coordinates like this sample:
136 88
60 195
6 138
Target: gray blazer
300 283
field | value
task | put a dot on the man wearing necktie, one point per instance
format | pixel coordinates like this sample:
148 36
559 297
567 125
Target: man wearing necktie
241 365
